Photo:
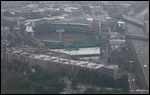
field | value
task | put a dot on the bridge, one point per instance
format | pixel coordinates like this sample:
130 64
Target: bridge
133 19
137 37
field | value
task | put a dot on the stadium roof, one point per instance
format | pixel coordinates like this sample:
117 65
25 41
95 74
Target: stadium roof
49 20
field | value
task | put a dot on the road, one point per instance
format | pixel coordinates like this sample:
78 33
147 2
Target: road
139 21
131 80
85 16
142 50
104 47
141 14
68 89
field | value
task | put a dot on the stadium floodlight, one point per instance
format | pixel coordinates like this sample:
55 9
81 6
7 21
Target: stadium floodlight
89 19
60 33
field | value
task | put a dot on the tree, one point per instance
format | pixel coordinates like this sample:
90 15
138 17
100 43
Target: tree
123 83
58 86
38 88
74 82
48 83
24 83
15 82
83 74
21 91
33 76
49 90
90 91
63 72
39 82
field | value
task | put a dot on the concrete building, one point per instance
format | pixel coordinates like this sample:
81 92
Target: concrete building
16 29
96 10
116 35
116 43
10 4
55 63
77 12
5 31
121 24
22 28
3 47
110 70
146 17
116 40
73 12
146 27
146 23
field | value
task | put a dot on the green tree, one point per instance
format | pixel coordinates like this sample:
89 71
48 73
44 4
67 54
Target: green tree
63 72
15 82
90 91
58 86
21 91
74 82
34 76
38 88
39 82
123 83
49 90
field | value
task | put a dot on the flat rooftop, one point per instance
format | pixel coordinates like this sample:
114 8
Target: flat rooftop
66 61
112 66
81 51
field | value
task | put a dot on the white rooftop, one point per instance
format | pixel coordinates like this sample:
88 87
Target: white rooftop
112 66
4 28
66 61
120 21
117 41
81 51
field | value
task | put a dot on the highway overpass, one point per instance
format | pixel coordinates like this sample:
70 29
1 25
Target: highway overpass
137 37
142 52
133 19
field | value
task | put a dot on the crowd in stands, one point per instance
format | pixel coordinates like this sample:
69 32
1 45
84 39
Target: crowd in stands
65 35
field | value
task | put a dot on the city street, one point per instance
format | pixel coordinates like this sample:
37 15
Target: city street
142 50
104 47
68 89
132 81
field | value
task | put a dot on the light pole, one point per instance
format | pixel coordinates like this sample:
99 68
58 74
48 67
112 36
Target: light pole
60 33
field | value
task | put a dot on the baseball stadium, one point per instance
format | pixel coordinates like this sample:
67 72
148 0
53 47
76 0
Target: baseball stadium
65 35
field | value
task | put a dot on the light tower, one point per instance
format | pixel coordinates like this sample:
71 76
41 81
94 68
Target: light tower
90 20
33 25
99 24
60 33
99 27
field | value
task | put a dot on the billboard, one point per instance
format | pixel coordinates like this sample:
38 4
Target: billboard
126 45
